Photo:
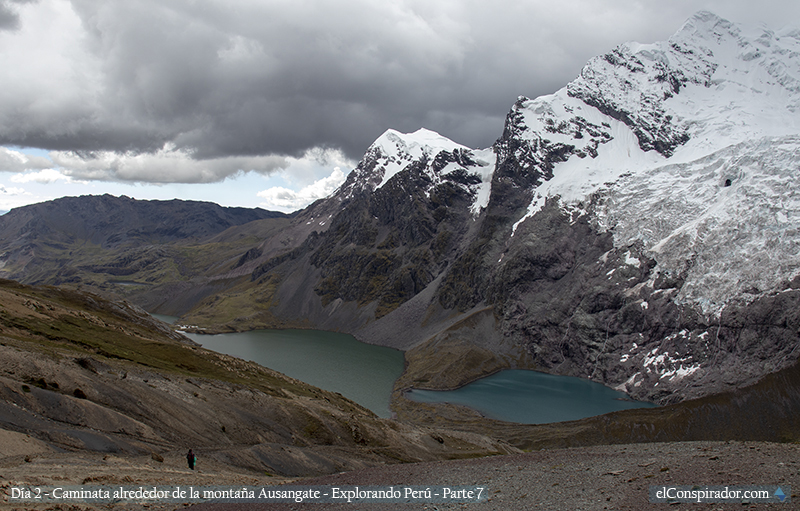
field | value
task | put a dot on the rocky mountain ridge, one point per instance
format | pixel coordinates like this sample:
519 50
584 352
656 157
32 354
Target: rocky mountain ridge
111 221
640 225
118 245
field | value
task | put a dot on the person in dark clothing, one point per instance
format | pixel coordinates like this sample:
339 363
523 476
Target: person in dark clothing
191 458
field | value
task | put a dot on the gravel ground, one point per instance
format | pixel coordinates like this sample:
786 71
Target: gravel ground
589 478
585 478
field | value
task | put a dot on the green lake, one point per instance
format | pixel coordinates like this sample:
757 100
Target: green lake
531 397
366 374
328 360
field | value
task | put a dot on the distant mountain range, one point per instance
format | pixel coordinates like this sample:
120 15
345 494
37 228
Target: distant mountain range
109 221
96 241
640 227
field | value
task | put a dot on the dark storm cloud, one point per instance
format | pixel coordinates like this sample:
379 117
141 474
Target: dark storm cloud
242 78
9 18
268 77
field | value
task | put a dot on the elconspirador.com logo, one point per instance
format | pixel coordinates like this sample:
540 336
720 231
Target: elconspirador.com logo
721 494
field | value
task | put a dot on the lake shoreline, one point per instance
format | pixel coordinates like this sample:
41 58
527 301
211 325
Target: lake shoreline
524 396
509 414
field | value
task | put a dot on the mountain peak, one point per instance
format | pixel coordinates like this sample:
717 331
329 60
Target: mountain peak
704 20
393 151
422 141
435 156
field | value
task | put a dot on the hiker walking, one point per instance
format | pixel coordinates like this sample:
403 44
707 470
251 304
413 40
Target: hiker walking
190 459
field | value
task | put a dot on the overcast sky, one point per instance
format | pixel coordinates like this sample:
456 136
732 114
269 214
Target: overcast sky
271 103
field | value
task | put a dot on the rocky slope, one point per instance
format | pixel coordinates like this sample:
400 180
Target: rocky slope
79 374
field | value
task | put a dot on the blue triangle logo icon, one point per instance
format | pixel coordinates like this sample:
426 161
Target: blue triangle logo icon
779 493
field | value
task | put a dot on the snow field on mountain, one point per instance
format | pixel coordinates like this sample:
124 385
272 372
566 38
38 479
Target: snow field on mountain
738 101
486 161
577 178
730 241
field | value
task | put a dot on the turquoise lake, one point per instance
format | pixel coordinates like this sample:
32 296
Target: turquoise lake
328 360
366 374
531 397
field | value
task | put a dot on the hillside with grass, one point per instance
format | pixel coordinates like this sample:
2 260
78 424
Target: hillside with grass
82 374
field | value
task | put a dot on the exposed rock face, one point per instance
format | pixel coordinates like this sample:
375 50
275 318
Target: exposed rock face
387 246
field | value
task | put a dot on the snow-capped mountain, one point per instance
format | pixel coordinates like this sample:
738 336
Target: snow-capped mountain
661 129
441 160
713 84
626 225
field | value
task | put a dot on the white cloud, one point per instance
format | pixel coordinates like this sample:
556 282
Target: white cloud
284 199
172 173
13 197
12 191
16 161
315 164
44 176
